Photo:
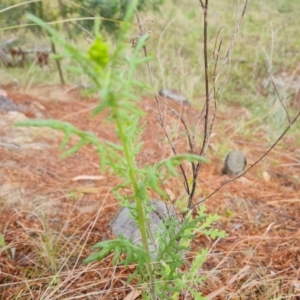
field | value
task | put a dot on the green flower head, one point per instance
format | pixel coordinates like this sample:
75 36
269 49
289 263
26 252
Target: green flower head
99 53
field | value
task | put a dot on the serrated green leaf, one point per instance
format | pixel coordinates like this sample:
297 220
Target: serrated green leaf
99 108
97 256
74 149
116 255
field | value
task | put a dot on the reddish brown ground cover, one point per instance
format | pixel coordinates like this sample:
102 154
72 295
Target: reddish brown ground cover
55 220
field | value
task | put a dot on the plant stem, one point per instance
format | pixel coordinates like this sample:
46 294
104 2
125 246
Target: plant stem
206 117
139 202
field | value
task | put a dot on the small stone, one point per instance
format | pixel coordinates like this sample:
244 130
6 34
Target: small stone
174 95
123 223
235 163
21 138
7 104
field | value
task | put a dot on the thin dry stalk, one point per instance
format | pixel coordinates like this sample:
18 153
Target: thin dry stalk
231 46
208 125
207 95
209 117
280 100
58 65
160 117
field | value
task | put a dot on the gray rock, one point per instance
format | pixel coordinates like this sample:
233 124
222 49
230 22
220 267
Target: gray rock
123 224
19 138
176 96
235 163
7 104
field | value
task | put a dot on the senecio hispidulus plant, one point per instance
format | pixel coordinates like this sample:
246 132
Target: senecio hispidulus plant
161 272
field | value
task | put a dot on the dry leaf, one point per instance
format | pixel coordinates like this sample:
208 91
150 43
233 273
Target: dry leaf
244 180
88 177
170 194
38 105
133 295
266 176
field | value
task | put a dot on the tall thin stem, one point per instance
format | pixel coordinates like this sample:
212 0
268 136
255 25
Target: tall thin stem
141 220
206 108
58 65
207 98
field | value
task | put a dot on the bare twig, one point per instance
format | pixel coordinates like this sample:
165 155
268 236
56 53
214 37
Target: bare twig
206 106
230 48
147 63
215 100
85 30
216 57
280 100
60 72
206 116
186 185
201 4
160 118
208 126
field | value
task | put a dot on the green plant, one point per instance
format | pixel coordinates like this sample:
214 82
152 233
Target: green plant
13 11
10 254
116 95
174 241
112 12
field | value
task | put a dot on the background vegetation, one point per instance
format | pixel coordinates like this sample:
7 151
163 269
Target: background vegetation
266 43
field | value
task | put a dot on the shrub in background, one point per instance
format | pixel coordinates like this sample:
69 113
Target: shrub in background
111 11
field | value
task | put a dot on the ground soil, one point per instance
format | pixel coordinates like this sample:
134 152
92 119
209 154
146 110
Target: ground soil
51 220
